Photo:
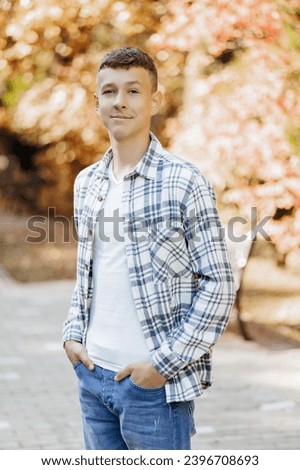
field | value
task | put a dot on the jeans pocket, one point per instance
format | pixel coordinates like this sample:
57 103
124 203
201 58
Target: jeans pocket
76 364
146 389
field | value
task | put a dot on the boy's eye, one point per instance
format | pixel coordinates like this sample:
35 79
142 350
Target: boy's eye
133 91
106 92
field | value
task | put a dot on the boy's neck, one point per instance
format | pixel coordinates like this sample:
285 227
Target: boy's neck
127 154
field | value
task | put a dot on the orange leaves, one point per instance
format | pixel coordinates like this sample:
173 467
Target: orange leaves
215 23
230 74
237 115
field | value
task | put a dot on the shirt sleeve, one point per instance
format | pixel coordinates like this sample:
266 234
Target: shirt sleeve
73 326
208 315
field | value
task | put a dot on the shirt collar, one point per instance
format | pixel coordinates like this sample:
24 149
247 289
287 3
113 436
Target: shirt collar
146 167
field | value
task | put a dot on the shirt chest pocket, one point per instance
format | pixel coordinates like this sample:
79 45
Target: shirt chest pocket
169 254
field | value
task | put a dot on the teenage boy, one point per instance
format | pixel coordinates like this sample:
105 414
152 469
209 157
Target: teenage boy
154 284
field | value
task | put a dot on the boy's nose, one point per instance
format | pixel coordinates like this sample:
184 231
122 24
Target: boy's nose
120 101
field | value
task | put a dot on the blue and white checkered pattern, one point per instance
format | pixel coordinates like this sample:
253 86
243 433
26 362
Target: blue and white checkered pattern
180 274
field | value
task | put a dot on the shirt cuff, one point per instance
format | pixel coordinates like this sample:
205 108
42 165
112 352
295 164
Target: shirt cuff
166 362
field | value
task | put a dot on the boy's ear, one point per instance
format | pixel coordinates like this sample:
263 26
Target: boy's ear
96 102
156 102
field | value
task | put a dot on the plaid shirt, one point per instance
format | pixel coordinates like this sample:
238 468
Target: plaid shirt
180 274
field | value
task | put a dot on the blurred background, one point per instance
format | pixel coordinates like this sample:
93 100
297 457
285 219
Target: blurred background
230 73
231 79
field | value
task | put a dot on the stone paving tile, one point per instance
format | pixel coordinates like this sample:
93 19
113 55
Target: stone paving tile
253 404
255 400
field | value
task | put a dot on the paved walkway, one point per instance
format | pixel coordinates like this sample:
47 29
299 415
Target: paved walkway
254 403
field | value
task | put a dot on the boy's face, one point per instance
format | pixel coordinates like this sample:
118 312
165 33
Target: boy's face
125 101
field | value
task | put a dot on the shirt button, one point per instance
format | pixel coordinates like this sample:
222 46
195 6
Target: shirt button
86 296
100 197
90 232
86 267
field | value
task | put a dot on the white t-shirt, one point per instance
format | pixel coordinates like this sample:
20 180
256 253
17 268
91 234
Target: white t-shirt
115 338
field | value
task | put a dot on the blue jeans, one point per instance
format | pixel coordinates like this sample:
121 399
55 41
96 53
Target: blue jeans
123 415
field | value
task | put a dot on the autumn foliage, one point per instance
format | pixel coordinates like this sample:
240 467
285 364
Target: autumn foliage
230 72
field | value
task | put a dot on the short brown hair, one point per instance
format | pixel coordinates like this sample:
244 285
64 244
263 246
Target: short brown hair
127 57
